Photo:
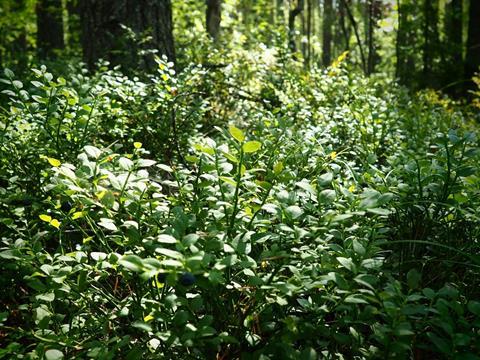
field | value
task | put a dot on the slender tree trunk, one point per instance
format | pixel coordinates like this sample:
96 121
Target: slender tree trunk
291 24
343 25
214 16
309 33
453 47
327 32
374 12
49 28
105 33
405 69
430 34
357 35
472 59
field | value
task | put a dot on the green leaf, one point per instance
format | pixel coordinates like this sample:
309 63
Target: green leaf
108 224
294 211
166 239
236 133
53 354
18 84
8 73
252 146
474 307
142 326
132 263
413 278
92 151
347 263
169 253
125 164
278 168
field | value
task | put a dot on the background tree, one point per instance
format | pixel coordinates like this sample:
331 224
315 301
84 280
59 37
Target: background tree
214 16
127 32
328 17
430 38
452 61
292 15
49 28
472 60
374 11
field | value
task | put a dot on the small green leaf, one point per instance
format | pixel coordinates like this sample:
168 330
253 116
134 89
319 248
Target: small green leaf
53 354
132 263
166 239
346 263
236 133
252 146
17 84
8 73
142 326
413 278
278 168
108 224
125 164
92 151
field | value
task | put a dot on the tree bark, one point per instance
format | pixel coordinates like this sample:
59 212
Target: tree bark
374 12
214 16
405 67
49 28
357 35
472 59
430 34
327 32
291 24
343 26
309 33
453 47
118 30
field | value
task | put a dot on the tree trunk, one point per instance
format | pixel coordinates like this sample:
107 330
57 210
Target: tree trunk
343 26
309 33
118 30
327 32
357 35
291 24
453 47
472 60
374 13
49 28
214 16
405 67
430 34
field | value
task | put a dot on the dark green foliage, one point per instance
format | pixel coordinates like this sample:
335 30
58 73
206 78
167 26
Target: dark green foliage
316 230
236 205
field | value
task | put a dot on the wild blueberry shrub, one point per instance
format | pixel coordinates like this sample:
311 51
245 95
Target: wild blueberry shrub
219 214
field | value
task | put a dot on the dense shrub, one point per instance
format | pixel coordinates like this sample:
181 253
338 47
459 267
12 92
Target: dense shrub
282 215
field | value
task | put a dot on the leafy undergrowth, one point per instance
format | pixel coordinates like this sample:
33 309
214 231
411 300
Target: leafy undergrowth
223 215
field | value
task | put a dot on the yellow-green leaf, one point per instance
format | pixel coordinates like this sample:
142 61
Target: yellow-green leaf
236 133
252 146
243 169
148 318
278 168
46 218
55 223
77 215
54 162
